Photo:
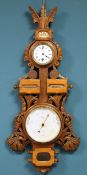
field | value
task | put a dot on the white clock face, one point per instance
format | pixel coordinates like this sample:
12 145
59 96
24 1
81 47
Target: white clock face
43 124
43 54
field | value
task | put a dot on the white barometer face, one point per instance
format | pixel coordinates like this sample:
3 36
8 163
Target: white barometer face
43 54
43 124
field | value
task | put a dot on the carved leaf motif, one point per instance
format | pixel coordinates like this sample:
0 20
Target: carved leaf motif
17 142
68 140
71 143
18 122
60 54
68 122
24 107
57 63
27 101
52 14
34 14
63 104
30 100
55 99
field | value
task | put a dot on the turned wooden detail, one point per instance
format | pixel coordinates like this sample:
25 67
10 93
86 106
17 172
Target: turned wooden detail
43 84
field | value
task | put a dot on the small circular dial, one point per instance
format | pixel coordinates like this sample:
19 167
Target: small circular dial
43 124
43 54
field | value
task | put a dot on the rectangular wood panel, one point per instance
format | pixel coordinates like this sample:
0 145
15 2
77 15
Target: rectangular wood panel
29 86
57 86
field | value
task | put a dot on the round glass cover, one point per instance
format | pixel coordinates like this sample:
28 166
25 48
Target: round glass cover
42 54
43 124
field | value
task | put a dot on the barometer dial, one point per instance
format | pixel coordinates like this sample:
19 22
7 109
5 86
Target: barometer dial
43 124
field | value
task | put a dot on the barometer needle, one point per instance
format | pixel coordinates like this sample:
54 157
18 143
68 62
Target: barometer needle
43 123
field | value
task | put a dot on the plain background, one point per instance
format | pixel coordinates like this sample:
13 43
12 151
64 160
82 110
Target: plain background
16 31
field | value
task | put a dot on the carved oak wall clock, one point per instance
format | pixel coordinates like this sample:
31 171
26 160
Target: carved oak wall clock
43 121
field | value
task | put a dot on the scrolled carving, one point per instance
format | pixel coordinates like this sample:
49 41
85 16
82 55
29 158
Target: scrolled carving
30 100
68 140
71 143
27 101
59 55
55 100
18 140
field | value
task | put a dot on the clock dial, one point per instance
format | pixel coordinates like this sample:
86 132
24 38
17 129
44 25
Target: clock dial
43 124
43 54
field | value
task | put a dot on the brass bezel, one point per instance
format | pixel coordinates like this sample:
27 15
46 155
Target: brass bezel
38 106
48 43
41 64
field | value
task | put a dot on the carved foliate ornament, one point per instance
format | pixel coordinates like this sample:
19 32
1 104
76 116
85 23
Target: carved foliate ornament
43 121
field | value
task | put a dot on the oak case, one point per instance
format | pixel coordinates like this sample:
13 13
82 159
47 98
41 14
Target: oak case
43 85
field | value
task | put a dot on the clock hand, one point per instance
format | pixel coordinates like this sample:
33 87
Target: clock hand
45 55
43 123
41 127
46 118
42 47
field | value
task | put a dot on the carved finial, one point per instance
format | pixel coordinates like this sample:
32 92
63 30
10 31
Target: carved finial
43 11
44 2
43 20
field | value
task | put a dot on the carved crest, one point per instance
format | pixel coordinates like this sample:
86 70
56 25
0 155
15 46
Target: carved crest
43 20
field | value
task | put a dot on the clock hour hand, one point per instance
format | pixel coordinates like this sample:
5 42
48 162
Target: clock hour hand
45 55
